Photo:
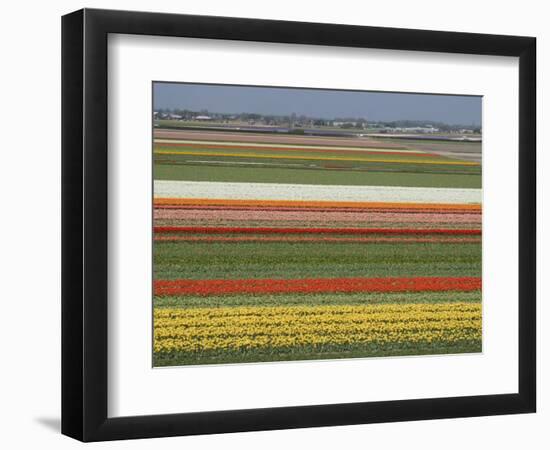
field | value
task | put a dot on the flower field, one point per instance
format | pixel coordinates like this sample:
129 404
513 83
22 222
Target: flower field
245 328
311 285
276 248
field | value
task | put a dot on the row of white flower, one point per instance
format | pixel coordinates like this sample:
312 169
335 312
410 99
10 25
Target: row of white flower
273 191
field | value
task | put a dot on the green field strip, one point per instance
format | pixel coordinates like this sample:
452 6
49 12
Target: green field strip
314 176
299 260
315 352
314 299
312 270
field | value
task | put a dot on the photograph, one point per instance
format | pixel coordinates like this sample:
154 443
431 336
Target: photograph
314 224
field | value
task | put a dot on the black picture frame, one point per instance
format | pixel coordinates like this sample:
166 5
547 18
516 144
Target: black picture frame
84 224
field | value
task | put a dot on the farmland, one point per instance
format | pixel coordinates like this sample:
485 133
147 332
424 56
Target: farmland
338 162
270 248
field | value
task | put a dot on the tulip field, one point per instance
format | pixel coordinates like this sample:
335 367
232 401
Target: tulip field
274 248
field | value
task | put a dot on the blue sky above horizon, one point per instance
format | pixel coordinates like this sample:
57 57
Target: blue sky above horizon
327 104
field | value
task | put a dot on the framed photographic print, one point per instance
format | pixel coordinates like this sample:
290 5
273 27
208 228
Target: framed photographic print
274 225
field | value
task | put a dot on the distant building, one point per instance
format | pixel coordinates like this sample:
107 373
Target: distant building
419 130
203 118
339 124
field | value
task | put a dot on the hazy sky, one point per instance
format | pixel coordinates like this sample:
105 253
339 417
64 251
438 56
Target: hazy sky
327 104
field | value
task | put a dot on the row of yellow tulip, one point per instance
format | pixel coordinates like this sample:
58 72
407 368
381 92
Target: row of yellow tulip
199 329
